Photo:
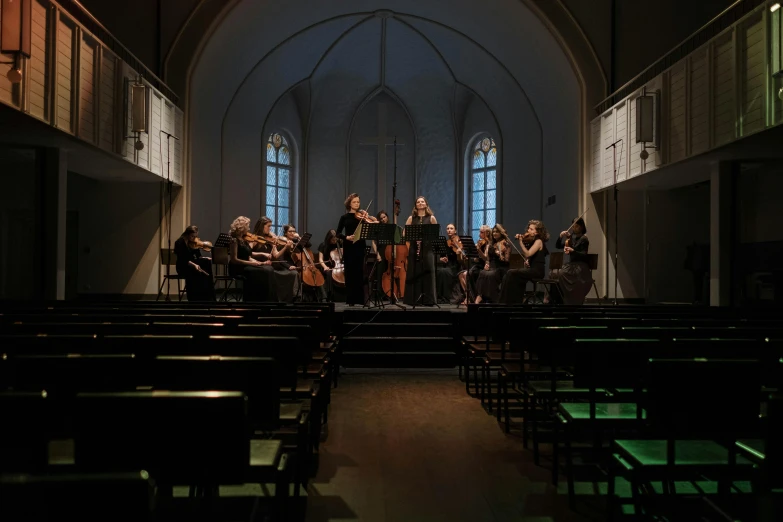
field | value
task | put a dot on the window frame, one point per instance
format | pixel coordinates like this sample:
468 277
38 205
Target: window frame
476 145
285 142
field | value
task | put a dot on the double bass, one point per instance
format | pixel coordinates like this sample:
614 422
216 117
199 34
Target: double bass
397 263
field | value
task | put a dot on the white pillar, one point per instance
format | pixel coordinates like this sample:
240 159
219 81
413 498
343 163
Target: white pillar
54 192
722 177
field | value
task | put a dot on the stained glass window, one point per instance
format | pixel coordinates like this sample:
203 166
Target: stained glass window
278 182
483 185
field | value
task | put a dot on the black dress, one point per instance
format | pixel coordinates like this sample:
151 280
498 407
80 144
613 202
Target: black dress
285 282
575 278
420 278
199 286
446 280
353 259
258 283
515 283
488 284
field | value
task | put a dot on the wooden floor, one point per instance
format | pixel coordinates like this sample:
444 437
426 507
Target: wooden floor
412 446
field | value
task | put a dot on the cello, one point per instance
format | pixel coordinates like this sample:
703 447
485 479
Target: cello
311 276
397 263
338 271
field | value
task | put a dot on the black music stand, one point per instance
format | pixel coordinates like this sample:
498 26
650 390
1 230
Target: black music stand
299 245
372 232
439 249
426 234
471 252
223 241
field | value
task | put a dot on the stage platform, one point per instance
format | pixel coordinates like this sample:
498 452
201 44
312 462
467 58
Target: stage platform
387 307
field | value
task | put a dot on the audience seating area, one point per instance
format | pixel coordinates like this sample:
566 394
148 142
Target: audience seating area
136 405
658 413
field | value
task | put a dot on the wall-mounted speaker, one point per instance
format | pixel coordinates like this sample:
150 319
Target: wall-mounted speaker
16 26
138 99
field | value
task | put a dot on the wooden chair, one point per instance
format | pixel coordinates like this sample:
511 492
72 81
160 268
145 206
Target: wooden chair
169 258
220 260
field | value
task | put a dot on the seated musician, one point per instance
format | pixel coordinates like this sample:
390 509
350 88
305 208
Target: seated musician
497 253
286 278
574 279
476 265
255 267
533 247
196 269
326 262
448 266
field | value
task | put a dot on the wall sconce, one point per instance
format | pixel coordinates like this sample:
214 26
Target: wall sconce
15 31
139 118
648 121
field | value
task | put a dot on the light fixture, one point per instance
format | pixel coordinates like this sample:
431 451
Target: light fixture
15 34
774 8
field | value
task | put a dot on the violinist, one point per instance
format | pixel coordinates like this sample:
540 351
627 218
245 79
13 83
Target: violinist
533 248
574 279
353 251
497 254
197 270
421 279
448 266
254 267
476 265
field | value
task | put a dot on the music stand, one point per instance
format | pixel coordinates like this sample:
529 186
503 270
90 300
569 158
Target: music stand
300 245
471 252
426 234
223 240
372 232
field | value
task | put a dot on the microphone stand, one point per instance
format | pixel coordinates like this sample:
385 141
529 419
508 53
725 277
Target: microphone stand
395 279
170 184
616 215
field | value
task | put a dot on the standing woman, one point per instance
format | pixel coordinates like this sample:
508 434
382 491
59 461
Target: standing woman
353 251
574 279
196 269
257 275
497 254
420 256
533 248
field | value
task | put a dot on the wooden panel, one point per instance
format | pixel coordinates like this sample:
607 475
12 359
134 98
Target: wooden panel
128 151
621 128
595 143
107 101
87 90
634 149
38 65
698 100
179 131
752 73
723 91
607 134
155 117
64 73
677 122
6 87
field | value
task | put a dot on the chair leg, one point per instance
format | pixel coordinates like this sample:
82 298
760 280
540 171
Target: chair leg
534 415
505 405
525 414
597 295
610 493
160 290
501 393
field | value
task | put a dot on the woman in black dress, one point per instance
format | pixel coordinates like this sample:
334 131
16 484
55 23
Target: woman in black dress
497 253
446 281
575 278
353 249
532 244
254 267
196 269
327 264
420 279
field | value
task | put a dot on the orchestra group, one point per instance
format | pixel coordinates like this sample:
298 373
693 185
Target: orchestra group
347 266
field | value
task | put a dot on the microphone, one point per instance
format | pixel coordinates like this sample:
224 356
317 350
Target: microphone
613 144
169 135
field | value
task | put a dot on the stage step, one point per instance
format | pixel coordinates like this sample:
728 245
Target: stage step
397 329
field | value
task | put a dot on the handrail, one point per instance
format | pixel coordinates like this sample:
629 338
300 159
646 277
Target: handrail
711 29
75 9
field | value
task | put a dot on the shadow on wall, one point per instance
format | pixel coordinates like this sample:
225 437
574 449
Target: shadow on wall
118 235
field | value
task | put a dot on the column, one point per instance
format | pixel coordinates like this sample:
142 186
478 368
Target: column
722 231
54 196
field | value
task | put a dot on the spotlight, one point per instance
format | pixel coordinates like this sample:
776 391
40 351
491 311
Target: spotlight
644 155
14 75
774 8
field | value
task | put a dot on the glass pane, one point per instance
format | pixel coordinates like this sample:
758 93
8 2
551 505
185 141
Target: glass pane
282 217
478 201
477 219
491 218
270 176
490 199
282 197
284 141
284 180
270 212
478 160
475 234
478 181
270 153
491 182
492 157
271 196
284 157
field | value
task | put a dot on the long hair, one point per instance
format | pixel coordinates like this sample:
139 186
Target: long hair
427 210
501 230
260 224
191 229
349 199
238 224
329 235
540 228
381 213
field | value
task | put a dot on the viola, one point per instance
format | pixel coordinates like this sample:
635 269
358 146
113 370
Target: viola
397 263
198 244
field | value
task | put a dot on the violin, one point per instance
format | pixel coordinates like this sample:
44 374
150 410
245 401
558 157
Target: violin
252 238
276 240
455 245
364 217
198 244
527 238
